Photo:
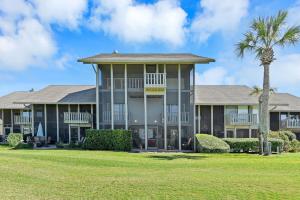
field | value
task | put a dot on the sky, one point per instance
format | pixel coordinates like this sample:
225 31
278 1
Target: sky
40 41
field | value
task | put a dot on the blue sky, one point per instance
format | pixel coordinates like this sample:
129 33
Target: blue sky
40 41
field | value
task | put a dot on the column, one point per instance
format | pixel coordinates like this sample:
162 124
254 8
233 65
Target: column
165 114
194 108
126 95
199 120
112 95
224 117
2 121
32 120
145 113
69 125
179 105
78 128
97 98
92 114
212 119
57 123
45 119
12 120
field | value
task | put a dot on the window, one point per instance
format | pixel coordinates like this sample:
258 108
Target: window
230 133
242 133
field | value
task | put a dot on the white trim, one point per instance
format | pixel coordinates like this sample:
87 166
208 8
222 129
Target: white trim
234 132
92 113
69 110
224 118
45 119
32 120
165 115
145 114
78 130
199 119
126 100
97 98
250 134
179 106
57 123
11 121
212 120
112 95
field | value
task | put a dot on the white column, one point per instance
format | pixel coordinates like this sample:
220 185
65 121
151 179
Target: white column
165 114
212 119
112 94
32 120
45 118
57 123
69 125
12 120
224 118
199 119
179 105
250 134
78 129
234 133
126 96
2 122
92 113
279 120
194 108
97 98
145 113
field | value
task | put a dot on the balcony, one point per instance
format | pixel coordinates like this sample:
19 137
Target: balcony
290 123
172 118
22 120
241 119
80 118
119 117
119 83
155 80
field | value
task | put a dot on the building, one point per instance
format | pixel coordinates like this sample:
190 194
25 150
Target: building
146 93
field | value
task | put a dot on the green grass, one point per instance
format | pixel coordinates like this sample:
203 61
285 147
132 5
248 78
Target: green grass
71 174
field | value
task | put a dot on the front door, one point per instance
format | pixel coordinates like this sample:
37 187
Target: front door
74 134
152 137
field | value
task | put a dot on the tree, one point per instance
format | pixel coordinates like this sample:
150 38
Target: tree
265 34
257 91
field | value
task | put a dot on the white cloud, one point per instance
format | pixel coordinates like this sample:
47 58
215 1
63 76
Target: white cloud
26 37
294 14
137 22
214 76
218 16
63 12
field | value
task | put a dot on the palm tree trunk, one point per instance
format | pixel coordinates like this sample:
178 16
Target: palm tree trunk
260 138
265 108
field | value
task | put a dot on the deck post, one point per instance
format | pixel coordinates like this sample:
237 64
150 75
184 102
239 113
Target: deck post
97 98
57 123
145 112
92 114
212 119
194 108
78 128
179 106
69 124
165 114
32 120
112 94
45 119
12 120
126 96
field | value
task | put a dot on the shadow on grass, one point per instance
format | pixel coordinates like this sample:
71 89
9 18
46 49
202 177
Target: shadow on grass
174 157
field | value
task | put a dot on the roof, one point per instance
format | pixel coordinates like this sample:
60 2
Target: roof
7 101
175 58
224 95
285 102
62 94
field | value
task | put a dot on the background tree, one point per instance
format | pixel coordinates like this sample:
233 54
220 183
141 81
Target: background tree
265 34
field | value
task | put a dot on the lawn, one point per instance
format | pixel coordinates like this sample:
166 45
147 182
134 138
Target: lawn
72 174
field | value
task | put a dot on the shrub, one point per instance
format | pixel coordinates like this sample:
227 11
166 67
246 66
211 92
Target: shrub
14 139
211 144
295 146
251 144
286 136
118 140
23 145
242 144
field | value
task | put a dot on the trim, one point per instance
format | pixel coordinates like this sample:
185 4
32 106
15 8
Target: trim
46 122
69 125
57 123
12 120
165 115
126 97
112 95
32 120
212 120
145 115
179 106
97 98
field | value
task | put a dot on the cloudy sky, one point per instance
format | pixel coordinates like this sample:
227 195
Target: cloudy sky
40 40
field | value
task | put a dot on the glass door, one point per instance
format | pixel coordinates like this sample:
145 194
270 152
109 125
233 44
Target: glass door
152 137
74 134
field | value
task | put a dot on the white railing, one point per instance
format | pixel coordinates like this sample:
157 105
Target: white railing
155 80
172 118
293 123
77 118
118 116
22 120
135 83
119 83
241 119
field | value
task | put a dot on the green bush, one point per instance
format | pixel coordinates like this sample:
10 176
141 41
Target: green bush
295 146
251 144
242 144
211 144
14 139
117 140
286 136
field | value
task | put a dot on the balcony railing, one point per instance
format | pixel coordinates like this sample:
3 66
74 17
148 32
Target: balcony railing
290 123
77 118
241 119
22 120
119 83
118 116
155 80
172 118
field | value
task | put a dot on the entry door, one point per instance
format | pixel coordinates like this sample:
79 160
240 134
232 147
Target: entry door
7 130
74 134
152 137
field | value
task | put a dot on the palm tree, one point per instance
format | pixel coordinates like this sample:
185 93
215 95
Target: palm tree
257 91
265 34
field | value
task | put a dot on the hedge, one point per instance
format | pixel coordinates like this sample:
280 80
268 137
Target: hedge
14 139
211 144
286 136
251 144
117 140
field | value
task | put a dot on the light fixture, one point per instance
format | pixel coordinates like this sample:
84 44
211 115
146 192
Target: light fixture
135 121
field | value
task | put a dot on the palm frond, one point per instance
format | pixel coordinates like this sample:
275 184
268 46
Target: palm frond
259 26
248 43
278 22
256 91
291 36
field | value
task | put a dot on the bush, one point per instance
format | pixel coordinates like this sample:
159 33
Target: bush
295 146
286 136
211 144
14 139
118 140
251 144
23 145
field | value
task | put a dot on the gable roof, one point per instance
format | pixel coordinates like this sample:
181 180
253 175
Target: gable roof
224 95
174 58
7 101
62 94
285 102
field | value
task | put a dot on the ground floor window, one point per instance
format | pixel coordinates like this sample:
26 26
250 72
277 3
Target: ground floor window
254 133
242 133
230 133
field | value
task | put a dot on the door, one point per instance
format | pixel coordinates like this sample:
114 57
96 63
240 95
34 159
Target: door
74 134
152 137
